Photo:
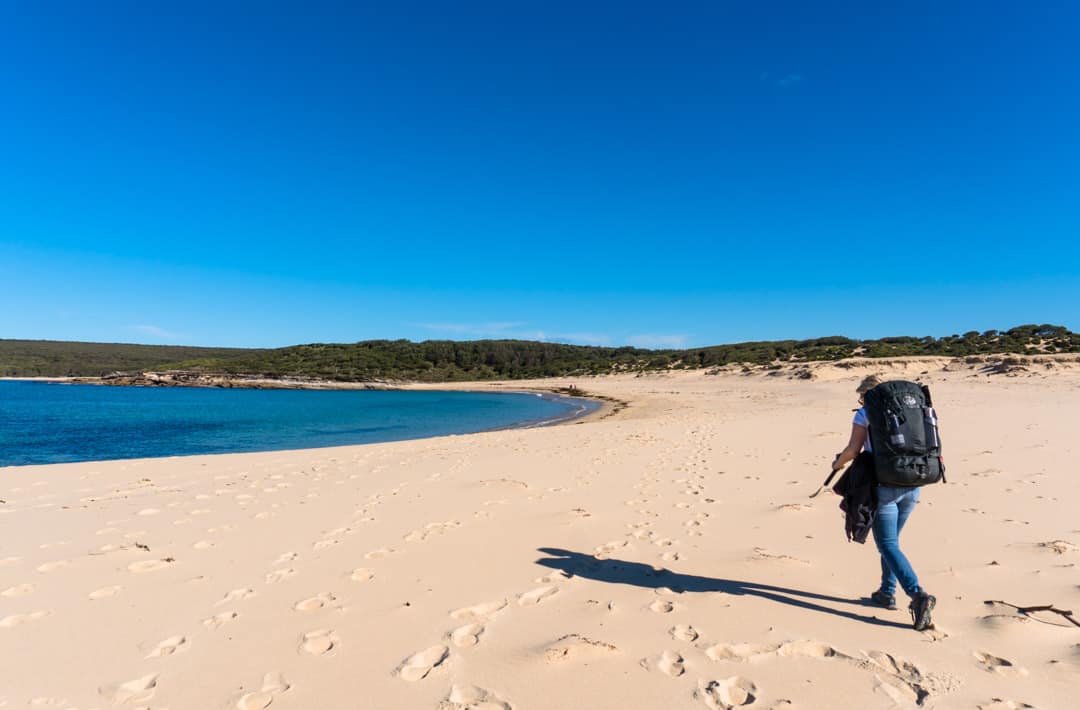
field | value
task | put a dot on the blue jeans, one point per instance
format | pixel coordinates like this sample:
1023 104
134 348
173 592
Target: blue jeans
894 507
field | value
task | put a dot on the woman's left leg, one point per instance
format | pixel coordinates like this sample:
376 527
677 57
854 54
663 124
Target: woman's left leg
894 508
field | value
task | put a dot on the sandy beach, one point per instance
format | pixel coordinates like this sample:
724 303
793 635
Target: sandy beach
665 555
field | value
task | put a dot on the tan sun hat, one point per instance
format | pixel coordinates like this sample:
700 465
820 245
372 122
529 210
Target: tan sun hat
869 382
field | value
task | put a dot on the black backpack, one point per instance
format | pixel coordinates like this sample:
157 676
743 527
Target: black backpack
903 434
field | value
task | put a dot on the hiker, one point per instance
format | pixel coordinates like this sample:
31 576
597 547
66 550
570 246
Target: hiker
894 505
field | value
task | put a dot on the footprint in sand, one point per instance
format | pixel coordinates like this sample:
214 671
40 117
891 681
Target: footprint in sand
1001 704
279 575
789 649
662 606
738 652
323 544
105 592
484 610
236 595
727 693
150 565
273 684
18 619
286 557
467 636
1059 546
576 647
19 590
606 549
362 574
814 649
669 663
148 511
219 620
935 634
318 642
52 566
168 647
378 554
203 545
1001 666
760 553
684 632
551 578
139 690
671 557
535 596
430 529
471 697
418 665
316 602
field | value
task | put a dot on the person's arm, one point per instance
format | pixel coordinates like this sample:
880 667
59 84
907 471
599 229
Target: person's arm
855 445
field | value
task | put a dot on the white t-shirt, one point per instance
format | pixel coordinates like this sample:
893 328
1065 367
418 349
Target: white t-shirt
861 420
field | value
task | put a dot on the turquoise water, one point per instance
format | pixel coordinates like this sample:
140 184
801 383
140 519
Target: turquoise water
44 422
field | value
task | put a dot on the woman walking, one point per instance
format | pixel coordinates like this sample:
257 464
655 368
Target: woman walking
894 505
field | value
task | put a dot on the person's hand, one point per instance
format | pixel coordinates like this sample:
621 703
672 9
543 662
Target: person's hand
835 462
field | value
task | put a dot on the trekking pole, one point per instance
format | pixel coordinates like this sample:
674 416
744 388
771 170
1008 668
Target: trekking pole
823 485
826 483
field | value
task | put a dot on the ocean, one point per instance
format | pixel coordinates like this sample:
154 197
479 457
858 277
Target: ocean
45 422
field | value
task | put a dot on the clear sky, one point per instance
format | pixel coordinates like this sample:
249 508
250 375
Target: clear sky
658 174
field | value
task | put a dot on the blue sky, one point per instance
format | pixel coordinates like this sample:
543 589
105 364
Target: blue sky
263 174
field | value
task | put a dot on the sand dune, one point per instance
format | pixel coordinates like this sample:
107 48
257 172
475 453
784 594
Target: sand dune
663 556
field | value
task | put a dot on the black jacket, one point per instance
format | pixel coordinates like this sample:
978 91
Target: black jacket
858 486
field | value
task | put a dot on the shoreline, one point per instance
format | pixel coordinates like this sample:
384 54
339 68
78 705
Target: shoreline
581 408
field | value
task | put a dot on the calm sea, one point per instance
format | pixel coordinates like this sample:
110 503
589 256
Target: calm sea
52 423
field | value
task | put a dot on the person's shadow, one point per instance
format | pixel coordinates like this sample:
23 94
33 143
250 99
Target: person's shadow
641 575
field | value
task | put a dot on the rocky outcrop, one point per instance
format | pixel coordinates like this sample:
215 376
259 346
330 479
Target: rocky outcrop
197 378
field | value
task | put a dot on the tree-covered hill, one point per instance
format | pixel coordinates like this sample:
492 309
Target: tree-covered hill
444 360
53 358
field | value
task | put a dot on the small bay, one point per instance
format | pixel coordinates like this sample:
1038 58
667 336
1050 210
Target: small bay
46 422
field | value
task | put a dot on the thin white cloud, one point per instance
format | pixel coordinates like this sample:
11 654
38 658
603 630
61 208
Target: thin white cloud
476 329
651 340
581 338
159 333
789 80
514 330
544 336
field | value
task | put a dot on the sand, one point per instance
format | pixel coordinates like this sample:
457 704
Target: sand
662 556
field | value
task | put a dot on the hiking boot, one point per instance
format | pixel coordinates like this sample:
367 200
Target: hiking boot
921 606
881 599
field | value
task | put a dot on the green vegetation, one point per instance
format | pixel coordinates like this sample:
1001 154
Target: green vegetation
51 358
444 360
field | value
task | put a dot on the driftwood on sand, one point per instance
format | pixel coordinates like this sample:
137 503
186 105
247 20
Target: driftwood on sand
1026 610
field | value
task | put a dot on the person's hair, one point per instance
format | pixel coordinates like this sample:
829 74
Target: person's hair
869 382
